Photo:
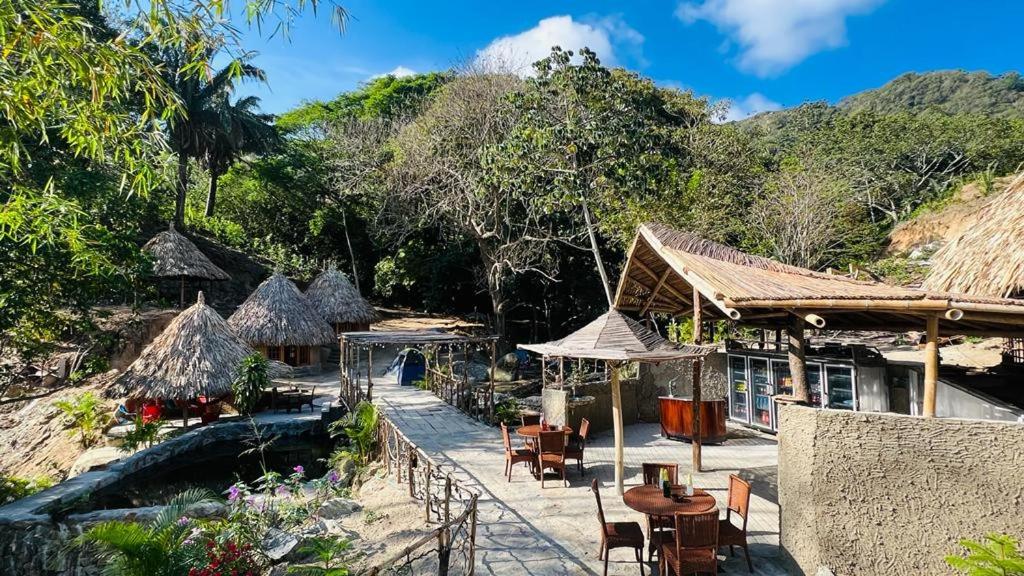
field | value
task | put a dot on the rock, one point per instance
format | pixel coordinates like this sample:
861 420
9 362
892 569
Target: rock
346 473
824 571
277 544
336 508
95 458
279 570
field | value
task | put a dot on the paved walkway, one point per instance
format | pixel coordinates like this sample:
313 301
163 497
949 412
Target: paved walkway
526 530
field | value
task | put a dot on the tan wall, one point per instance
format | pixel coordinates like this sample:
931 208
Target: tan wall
866 494
654 379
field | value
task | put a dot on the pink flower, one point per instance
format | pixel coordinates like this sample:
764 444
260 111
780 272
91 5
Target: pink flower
299 469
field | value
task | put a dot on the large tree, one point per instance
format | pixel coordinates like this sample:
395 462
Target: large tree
240 129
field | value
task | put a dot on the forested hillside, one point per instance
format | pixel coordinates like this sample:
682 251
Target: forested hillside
951 92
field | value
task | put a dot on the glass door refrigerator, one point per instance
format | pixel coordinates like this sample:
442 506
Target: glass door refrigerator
783 380
840 391
814 384
739 389
761 392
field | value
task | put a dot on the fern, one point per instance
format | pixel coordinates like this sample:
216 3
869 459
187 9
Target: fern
995 555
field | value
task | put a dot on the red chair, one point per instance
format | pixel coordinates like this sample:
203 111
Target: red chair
151 412
739 502
695 550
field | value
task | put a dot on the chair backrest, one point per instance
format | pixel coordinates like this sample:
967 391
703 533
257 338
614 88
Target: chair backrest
652 472
584 429
552 442
531 419
697 531
600 510
506 438
739 497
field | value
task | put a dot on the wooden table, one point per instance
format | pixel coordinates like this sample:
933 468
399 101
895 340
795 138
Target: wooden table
649 500
533 430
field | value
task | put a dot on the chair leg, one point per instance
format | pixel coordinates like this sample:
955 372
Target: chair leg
606 563
639 552
750 566
732 550
600 552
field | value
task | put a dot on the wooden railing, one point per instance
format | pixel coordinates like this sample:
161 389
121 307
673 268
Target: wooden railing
451 547
474 399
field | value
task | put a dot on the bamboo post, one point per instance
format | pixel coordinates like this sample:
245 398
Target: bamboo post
617 425
447 498
426 492
464 385
698 337
797 358
369 375
543 372
561 372
450 377
472 537
931 365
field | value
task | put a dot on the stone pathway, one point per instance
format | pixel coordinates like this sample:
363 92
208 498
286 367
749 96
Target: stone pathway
526 530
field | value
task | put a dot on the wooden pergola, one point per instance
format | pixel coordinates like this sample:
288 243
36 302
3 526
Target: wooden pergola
679 274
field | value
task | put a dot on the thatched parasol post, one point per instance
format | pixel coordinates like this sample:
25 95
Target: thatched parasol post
181 292
797 358
931 365
617 425
698 337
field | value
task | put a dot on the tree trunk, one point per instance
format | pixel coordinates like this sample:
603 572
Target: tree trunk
351 253
182 188
597 253
797 358
211 196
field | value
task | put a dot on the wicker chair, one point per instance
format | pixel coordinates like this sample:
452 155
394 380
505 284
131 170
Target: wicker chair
739 502
659 528
551 454
514 456
530 420
577 443
695 550
618 534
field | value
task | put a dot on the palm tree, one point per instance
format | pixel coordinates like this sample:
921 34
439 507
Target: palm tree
203 97
242 130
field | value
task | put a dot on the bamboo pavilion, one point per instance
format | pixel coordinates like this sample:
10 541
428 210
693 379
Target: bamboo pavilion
196 355
175 256
616 339
278 320
339 303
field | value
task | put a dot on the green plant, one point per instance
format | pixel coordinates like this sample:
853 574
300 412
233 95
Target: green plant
371 516
83 415
422 384
251 382
507 411
331 555
15 487
360 426
142 435
165 546
996 555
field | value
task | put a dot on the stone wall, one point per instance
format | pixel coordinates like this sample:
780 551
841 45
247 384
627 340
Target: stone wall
558 410
654 380
865 494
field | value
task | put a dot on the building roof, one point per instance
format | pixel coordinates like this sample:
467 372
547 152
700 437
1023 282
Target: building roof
666 266
196 355
986 258
278 314
411 338
616 337
338 301
175 255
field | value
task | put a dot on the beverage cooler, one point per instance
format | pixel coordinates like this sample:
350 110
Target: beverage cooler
756 377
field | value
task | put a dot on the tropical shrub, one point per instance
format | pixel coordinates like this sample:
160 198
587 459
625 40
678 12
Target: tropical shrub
83 415
142 435
331 555
251 382
15 487
359 426
995 555
228 558
507 411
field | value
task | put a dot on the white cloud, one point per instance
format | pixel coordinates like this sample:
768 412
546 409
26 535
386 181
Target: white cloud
398 72
747 107
518 52
774 35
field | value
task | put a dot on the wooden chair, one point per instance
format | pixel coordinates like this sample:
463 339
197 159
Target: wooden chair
514 456
659 528
551 454
739 502
695 550
577 443
618 534
530 419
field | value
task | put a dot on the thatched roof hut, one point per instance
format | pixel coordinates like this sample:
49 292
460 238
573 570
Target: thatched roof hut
278 314
339 303
175 256
987 258
196 355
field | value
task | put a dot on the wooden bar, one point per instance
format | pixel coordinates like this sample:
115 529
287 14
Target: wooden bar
677 419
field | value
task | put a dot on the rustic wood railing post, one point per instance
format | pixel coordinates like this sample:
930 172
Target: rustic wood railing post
472 537
447 498
426 499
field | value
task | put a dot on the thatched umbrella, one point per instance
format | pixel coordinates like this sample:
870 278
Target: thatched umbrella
175 256
986 258
196 355
339 303
277 314
616 338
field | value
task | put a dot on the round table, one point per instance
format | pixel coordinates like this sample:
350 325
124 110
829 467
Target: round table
649 500
533 430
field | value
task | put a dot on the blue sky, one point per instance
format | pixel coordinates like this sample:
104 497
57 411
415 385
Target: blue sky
759 54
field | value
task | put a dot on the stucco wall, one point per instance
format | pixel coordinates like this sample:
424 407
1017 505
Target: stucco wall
866 494
654 379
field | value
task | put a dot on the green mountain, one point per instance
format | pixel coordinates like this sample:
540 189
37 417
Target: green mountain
953 92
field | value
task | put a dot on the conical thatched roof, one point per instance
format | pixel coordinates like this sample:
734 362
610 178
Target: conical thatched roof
175 256
338 301
278 314
615 336
987 259
197 354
